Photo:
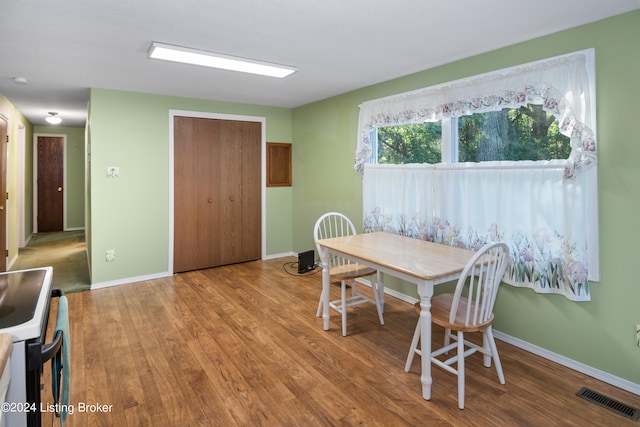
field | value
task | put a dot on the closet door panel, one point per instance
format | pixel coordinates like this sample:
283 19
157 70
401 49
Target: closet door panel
208 206
185 254
231 184
251 191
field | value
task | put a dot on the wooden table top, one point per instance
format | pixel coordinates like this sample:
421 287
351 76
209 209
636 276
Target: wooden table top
414 257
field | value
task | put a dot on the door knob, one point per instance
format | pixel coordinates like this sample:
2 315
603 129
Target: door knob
209 200
59 189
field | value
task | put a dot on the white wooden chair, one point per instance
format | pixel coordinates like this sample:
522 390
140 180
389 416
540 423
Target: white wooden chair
469 309
334 224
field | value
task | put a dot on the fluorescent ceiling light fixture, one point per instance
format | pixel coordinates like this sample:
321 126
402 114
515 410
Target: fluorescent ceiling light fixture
53 119
217 60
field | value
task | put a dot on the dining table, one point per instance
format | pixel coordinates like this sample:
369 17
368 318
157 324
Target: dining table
417 261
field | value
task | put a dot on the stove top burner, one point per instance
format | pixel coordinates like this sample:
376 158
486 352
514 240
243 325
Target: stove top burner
19 292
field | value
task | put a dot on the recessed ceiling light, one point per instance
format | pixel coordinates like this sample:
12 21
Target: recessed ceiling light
53 118
217 60
20 80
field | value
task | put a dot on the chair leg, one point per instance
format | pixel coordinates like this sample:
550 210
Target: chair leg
460 370
413 348
343 307
447 338
487 348
494 352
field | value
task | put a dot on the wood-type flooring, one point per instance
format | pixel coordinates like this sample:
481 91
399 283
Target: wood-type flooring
240 346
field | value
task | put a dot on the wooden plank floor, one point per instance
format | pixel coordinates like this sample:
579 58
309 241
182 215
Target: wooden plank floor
240 345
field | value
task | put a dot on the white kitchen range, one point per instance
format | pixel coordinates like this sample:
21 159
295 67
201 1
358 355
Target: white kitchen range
25 298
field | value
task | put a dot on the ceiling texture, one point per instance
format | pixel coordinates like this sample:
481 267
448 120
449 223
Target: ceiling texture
64 48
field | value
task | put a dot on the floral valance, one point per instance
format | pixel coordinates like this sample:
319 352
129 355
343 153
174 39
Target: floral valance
564 86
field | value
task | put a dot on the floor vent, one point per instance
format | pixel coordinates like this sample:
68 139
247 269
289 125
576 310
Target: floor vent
609 403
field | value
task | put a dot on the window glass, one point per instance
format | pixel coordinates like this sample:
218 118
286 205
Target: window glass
418 143
525 133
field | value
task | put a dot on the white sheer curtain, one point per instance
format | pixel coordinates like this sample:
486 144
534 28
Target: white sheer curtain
546 211
524 205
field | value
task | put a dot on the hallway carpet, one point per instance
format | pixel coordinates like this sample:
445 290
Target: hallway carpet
65 251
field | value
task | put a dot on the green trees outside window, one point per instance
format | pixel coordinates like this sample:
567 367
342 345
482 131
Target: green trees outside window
525 133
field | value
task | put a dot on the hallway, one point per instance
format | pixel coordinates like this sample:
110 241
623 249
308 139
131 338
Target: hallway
65 251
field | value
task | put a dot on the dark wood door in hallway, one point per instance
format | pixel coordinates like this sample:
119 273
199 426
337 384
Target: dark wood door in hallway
50 183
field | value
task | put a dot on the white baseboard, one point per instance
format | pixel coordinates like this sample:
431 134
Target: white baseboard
282 255
570 363
128 280
539 351
165 274
12 261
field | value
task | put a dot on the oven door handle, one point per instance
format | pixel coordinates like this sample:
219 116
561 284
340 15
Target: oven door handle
42 353
50 350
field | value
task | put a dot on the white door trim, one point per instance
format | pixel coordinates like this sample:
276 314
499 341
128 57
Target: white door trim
21 141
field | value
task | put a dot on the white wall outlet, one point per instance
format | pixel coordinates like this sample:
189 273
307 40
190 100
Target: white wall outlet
113 171
110 255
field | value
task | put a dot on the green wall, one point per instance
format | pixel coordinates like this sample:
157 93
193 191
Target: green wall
599 333
74 171
131 214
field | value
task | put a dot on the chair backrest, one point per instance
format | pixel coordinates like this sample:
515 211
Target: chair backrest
479 284
333 224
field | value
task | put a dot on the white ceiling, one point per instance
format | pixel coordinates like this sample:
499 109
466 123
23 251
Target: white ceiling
63 48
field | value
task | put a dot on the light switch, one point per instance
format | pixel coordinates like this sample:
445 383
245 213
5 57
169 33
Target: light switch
113 171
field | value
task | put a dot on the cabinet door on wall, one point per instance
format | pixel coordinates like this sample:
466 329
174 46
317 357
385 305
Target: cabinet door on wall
217 185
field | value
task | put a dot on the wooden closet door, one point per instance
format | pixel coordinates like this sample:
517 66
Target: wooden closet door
186 195
241 202
207 204
217 200
230 184
251 196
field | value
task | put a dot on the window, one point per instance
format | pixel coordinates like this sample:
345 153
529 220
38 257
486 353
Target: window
564 86
524 133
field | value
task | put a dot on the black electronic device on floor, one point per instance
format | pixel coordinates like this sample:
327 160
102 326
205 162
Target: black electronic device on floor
306 261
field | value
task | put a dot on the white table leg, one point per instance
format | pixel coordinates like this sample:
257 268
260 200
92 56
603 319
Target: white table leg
381 289
326 278
425 291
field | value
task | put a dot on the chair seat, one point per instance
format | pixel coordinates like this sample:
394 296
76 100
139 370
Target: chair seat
350 271
440 309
